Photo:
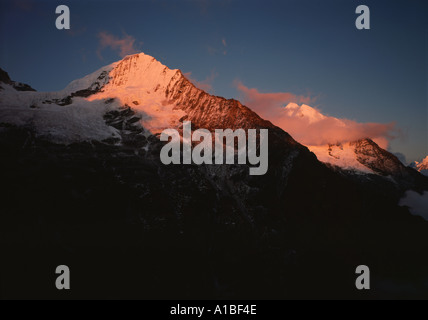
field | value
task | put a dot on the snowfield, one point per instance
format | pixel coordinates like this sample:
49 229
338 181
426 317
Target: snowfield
80 121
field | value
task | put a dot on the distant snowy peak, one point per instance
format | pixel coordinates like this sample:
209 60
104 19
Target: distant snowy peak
377 159
363 156
422 166
304 111
341 155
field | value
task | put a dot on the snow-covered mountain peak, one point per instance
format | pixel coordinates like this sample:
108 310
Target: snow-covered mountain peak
422 166
341 155
143 83
424 163
363 156
140 70
303 111
134 71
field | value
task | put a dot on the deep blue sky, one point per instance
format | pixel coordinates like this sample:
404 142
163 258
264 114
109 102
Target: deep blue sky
298 46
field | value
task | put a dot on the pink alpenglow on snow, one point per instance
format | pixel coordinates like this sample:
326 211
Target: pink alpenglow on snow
308 125
422 166
331 139
141 81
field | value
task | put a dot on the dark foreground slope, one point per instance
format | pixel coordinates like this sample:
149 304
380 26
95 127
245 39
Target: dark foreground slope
130 227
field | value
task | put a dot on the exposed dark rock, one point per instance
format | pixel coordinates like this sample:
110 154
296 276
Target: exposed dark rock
4 77
84 93
22 87
65 102
128 124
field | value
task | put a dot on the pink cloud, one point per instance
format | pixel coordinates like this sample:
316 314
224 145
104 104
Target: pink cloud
307 125
330 130
206 84
123 47
268 104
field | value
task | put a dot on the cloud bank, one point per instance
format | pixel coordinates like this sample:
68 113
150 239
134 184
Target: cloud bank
268 103
417 203
308 125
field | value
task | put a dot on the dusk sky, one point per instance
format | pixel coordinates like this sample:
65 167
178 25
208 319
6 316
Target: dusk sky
309 50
